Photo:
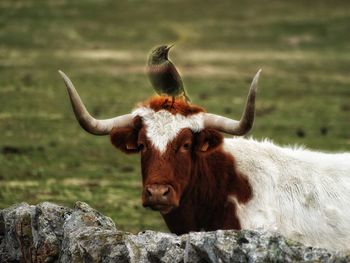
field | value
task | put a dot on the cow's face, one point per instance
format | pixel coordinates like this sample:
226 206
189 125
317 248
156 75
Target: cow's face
167 166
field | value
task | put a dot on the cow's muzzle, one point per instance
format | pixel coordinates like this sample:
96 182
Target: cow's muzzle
159 197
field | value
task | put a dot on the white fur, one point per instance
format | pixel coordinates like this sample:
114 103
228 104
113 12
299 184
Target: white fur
303 195
163 127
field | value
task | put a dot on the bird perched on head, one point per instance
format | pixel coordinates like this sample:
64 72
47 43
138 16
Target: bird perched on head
163 75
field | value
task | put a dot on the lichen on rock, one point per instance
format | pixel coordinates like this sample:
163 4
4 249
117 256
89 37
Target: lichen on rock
51 233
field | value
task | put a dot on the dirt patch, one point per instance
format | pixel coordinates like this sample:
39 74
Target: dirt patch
194 56
105 54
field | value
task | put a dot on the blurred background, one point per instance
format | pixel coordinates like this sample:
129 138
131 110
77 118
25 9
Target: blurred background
303 48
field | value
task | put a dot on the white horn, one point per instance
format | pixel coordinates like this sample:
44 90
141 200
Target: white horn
231 126
86 121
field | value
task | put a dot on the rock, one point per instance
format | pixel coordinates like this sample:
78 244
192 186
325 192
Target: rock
32 233
51 233
90 236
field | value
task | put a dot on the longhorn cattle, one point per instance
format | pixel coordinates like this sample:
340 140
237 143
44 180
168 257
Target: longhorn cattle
199 180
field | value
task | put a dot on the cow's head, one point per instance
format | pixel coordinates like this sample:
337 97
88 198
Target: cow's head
170 137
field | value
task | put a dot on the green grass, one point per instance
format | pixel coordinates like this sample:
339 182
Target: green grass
302 46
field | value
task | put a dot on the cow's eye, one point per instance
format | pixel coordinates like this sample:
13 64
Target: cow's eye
185 147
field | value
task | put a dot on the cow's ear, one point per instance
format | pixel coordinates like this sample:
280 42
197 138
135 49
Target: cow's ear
208 140
125 139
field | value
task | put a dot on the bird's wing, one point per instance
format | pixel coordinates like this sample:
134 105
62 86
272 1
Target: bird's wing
175 76
165 79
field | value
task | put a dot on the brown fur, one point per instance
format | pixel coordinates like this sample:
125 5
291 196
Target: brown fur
202 181
200 173
125 139
213 177
179 106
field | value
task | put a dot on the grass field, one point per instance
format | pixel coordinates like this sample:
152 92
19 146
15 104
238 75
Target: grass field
303 48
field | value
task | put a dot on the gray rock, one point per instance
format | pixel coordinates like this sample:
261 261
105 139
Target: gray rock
51 233
31 233
89 236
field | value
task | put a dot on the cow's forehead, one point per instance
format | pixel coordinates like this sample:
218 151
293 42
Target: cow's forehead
162 126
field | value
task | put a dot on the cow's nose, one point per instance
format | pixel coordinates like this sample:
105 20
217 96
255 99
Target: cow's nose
160 197
158 192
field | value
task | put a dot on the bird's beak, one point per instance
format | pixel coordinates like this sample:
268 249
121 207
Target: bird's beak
169 47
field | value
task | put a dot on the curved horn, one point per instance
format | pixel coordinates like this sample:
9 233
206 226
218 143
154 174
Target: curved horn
86 121
234 127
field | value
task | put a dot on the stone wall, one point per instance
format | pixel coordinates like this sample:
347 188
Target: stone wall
51 233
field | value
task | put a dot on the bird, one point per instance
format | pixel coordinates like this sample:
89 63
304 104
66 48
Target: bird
163 74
